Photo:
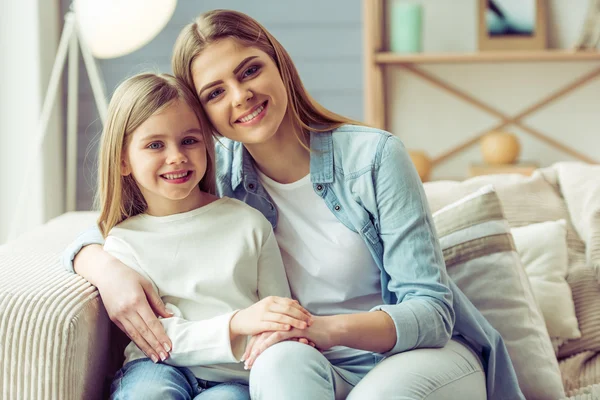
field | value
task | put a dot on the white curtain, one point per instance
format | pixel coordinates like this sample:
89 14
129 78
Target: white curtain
29 34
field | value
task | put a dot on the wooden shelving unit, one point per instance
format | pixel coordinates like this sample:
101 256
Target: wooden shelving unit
388 58
377 59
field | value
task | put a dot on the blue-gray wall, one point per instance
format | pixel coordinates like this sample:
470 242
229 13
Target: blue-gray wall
323 37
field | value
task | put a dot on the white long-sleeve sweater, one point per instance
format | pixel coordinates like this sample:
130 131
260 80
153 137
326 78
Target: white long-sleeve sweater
205 264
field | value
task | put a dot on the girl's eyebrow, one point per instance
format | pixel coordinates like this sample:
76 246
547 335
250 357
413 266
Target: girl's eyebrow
235 71
155 136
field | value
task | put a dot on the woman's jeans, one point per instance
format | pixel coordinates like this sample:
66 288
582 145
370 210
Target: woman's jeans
144 380
292 370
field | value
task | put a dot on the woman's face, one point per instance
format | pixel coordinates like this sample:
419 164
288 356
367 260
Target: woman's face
241 91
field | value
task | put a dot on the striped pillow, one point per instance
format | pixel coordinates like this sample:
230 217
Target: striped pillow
481 259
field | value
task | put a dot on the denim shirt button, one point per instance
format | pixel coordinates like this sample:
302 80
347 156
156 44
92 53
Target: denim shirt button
337 207
251 186
319 187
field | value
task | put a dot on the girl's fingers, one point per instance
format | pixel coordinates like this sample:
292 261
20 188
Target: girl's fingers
158 331
292 304
274 317
134 335
144 331
290 311
275 326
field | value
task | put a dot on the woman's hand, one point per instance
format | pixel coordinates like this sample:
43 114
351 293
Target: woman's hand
320 334
131 303
270 314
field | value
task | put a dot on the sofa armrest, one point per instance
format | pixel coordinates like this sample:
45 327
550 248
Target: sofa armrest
54 332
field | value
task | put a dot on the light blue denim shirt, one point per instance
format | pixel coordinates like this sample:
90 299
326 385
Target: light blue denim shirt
367 180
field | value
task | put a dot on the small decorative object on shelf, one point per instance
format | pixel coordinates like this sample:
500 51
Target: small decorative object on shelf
520 168
422 163
512 25
406 27
500 148
590 34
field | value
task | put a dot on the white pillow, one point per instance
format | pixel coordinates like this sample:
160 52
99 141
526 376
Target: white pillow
543 251
481 259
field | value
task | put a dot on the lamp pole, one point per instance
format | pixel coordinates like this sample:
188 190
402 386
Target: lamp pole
67 47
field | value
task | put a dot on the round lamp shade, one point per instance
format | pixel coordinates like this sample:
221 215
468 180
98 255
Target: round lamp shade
114 28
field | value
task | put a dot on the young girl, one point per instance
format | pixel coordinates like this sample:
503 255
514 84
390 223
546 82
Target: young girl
355 232
210 259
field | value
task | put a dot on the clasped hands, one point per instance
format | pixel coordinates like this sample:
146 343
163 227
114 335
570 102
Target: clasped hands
276 319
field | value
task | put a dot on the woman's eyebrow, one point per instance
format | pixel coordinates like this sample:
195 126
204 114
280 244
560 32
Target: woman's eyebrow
235 71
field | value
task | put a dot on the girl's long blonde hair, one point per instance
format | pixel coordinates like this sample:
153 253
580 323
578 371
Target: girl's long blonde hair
134 101
222 24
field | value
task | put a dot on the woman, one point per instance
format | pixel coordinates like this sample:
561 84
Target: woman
352 223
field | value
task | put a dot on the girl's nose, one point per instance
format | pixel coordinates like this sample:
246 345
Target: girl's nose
176 157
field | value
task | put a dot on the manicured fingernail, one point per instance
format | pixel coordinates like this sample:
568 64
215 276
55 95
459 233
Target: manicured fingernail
163 356
154 358
246 367
167 348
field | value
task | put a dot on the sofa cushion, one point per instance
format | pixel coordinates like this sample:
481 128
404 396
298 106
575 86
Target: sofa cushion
525 200
543 251
586 295
481 259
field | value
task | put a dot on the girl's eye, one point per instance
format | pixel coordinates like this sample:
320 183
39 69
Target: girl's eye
154 146
189 141
214 94
250 71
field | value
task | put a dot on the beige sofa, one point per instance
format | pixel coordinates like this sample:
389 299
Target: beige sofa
56 341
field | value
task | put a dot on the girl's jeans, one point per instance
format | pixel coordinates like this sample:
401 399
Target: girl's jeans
144 380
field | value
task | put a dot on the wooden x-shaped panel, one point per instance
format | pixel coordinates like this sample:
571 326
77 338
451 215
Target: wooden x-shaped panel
506 120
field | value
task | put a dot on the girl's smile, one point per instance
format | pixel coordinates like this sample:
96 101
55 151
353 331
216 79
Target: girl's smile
177 177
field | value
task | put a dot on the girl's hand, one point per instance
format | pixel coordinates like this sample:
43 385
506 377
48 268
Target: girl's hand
320 333
131 303
270 314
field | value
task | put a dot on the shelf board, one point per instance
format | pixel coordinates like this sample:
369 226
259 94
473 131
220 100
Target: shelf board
487 56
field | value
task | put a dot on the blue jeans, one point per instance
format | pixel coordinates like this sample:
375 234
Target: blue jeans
142 379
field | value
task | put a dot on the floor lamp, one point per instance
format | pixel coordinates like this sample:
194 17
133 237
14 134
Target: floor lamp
101 29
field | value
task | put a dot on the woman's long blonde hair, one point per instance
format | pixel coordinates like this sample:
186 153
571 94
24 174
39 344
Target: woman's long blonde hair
134 101
222 24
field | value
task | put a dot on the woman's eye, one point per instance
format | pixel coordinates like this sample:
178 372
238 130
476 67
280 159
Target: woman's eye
251 71
189 141
154 146
214 94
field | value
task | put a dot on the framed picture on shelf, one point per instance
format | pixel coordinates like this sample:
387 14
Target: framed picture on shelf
512 25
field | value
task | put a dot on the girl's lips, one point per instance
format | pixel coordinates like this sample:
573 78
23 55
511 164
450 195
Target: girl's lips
256 119
178 180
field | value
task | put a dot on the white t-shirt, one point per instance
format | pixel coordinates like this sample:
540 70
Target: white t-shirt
329 267
205 264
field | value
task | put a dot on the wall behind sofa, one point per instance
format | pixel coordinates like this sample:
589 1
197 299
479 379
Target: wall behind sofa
323 37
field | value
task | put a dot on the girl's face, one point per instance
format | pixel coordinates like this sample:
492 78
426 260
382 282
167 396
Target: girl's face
166 155
241 91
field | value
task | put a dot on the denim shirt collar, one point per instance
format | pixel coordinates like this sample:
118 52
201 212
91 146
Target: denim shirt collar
321 161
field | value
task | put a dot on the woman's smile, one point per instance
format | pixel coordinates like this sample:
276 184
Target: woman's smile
254 116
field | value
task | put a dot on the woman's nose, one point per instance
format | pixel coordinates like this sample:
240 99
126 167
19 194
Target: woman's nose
242 94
